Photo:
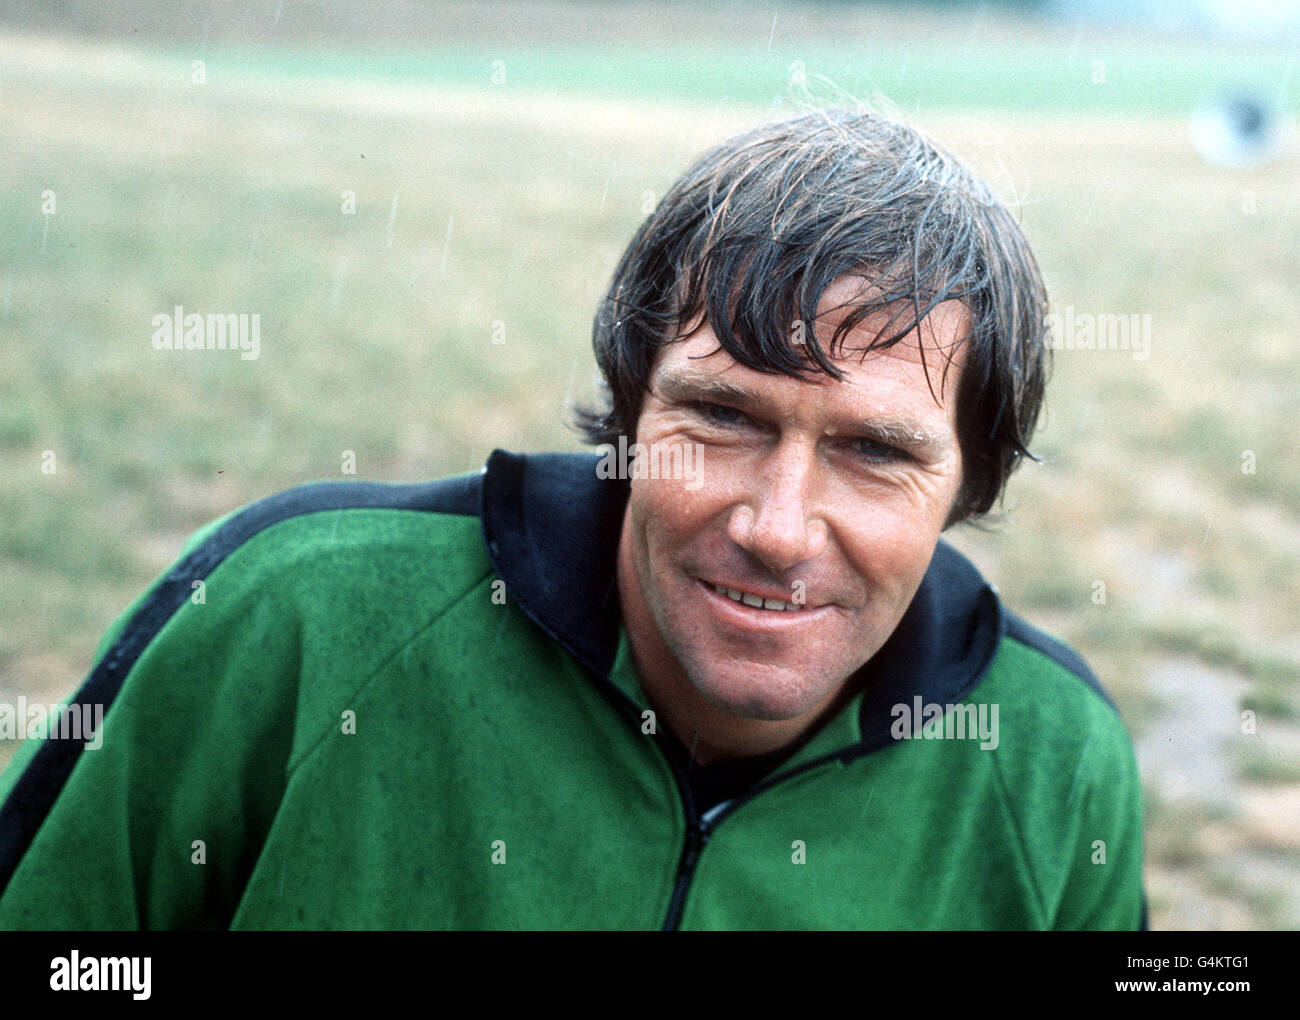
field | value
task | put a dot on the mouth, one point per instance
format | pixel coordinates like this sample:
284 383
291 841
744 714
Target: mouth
757 601
759 612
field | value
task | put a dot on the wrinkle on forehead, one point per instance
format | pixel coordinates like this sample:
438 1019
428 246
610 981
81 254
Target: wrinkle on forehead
885 403
944 333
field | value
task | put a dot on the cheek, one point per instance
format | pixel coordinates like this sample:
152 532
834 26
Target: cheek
888 542
667 511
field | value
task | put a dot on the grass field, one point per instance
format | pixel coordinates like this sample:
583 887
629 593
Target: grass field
1159 534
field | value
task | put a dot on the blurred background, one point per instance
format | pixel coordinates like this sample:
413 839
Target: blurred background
423 202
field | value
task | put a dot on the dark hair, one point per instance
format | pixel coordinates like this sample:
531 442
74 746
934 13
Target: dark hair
753 233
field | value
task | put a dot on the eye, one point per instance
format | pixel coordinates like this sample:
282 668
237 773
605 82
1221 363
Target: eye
875 452
719 414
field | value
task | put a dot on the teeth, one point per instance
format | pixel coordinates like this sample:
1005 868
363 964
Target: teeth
755 600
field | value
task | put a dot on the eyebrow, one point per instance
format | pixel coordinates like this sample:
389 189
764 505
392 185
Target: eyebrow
688 387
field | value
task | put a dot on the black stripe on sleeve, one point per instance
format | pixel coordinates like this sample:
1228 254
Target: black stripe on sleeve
1060 653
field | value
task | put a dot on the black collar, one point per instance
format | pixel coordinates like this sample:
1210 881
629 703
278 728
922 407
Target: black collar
552 527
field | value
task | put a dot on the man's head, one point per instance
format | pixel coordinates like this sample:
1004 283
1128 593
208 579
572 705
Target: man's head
750 237
846 328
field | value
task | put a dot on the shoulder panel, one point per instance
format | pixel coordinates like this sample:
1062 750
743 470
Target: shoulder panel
31 798
1060 653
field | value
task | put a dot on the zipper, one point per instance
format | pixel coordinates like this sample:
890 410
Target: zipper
700 827
698 830
697 837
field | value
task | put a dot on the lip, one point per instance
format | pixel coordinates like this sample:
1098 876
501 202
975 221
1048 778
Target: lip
737 614
763 593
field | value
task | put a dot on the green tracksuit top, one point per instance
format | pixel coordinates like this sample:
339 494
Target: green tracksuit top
413 706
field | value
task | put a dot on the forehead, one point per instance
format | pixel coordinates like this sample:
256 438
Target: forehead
919 373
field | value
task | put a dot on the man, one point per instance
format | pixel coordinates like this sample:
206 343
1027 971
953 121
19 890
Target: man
735 681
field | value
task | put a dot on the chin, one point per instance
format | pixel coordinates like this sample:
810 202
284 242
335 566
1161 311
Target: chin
752 691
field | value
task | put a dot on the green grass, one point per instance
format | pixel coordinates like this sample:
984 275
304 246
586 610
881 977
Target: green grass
1259 762
922 74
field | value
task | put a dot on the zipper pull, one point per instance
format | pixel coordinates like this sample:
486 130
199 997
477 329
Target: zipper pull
706 819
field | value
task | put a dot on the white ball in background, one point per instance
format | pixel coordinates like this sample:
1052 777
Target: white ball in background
1237 130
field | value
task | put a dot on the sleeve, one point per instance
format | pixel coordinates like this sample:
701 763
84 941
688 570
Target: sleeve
156 821
1104 888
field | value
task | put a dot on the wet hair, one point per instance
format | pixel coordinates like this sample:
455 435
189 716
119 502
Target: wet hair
756 230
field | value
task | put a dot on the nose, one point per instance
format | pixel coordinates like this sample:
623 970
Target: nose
776 521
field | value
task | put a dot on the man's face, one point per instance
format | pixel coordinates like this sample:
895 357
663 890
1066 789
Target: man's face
823 494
